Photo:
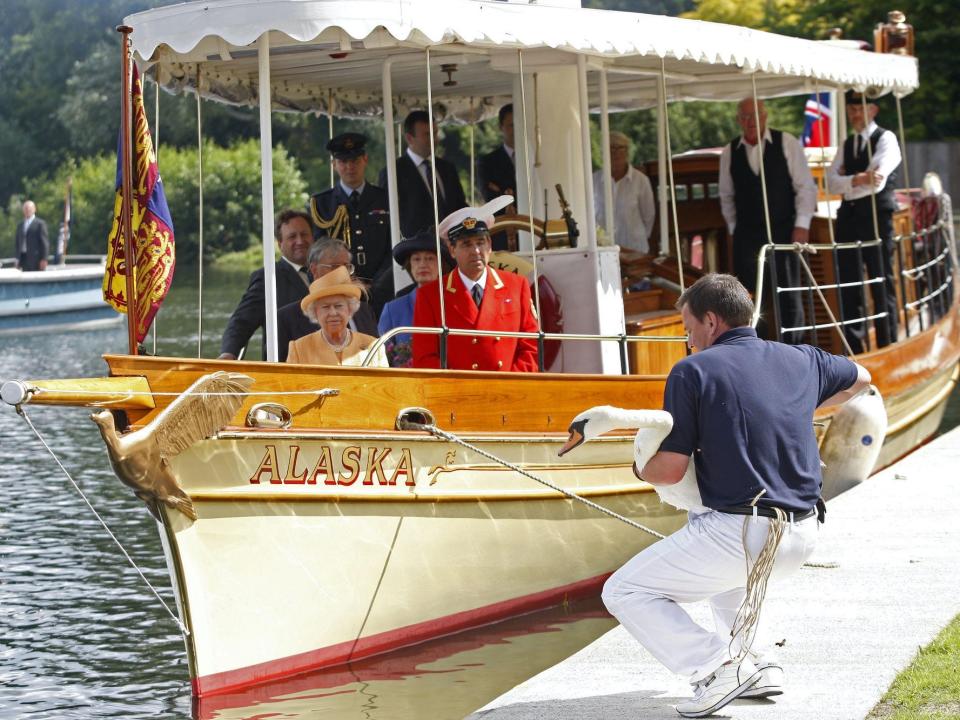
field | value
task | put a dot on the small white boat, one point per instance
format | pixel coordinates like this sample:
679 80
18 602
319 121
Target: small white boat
63 297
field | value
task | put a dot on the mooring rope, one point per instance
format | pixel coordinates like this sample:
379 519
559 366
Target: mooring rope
434 430
23 414
758 575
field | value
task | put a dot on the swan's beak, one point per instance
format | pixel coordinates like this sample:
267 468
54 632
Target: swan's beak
576 437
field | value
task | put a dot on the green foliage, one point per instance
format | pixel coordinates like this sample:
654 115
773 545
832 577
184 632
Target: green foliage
231 198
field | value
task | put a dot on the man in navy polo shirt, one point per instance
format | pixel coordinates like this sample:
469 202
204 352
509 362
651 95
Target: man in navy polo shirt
743 408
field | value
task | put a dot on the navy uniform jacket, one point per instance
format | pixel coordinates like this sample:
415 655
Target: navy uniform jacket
292 324
415 201
370 247
251 312
34 247
498 176
506 305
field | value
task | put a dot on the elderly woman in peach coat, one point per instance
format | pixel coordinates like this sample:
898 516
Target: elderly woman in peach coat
331 302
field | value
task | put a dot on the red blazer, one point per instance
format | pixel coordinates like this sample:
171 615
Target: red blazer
506 305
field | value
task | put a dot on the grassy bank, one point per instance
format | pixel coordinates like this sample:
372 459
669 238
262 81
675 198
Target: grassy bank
249 259
930 688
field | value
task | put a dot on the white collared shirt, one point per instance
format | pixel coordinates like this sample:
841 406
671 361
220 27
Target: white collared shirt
349 191
804 188
511 153
421 165
634 208
468 283
885 160
27 222
302 274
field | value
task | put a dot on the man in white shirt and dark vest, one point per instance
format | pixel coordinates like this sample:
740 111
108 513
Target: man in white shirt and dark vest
792 201
866 168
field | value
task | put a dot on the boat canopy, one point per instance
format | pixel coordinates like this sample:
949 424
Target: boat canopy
327 56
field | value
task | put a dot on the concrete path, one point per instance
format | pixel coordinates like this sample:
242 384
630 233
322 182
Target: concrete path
848 629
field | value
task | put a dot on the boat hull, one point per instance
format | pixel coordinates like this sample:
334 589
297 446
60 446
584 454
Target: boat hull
60 298
314 551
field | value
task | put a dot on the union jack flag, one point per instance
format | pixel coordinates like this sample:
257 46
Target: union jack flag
818 116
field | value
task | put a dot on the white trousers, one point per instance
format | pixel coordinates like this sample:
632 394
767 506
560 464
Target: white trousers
702 561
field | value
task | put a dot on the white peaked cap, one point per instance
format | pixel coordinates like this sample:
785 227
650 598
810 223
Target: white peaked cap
481 214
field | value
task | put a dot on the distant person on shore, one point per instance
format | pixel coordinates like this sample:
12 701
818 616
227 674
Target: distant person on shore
792 200
866 166
294 233
633 208
758 472
326 255
32 245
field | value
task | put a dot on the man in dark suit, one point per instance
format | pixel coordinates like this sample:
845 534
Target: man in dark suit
326 255
32 244
415 179
476 297
357 212
295 235
498 173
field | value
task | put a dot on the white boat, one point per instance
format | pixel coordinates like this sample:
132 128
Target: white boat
63 297
325 532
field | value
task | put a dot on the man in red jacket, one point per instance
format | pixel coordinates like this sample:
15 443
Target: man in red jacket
476 297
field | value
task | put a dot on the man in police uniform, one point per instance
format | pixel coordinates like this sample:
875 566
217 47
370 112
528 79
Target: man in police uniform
475 296
743 408
357 213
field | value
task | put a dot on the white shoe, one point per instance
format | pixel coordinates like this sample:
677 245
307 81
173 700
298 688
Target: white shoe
727 683
769 684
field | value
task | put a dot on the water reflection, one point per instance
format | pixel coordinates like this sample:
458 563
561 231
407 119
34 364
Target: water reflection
447 678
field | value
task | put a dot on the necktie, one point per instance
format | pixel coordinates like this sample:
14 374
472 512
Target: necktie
354 201
428 174
477 293
306 274
860 145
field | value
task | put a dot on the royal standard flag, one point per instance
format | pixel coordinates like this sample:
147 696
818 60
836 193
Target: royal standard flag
152 228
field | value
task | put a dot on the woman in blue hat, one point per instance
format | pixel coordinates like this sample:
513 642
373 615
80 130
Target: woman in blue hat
418 256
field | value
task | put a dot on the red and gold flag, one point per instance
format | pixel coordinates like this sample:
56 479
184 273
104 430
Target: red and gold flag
152 228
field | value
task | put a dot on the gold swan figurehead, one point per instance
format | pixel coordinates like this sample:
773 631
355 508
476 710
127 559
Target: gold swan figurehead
141 459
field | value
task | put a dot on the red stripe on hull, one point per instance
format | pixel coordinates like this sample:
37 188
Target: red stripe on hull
392 639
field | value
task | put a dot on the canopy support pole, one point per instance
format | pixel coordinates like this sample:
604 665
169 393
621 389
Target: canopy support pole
266 195
609 211
664 243
589 224
199 219
391 146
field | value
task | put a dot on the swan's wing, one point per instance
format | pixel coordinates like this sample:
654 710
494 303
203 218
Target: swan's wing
199 412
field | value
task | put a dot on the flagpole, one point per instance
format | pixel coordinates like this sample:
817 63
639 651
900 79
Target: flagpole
126 222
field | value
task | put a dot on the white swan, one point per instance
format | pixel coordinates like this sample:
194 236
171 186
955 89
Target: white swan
652 427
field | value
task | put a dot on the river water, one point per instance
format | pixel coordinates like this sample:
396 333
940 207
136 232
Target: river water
81 636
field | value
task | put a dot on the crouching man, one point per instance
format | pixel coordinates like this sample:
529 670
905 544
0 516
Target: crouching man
743 408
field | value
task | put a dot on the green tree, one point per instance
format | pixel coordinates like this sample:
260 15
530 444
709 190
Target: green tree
231 197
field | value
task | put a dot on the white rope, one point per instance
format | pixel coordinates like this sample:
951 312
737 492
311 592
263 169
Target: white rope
826 305
156 155
669 162
434 430
183 628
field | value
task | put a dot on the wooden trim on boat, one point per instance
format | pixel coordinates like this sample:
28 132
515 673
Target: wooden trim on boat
446 496
919 413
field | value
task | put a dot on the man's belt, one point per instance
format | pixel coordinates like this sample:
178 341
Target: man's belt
767 512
